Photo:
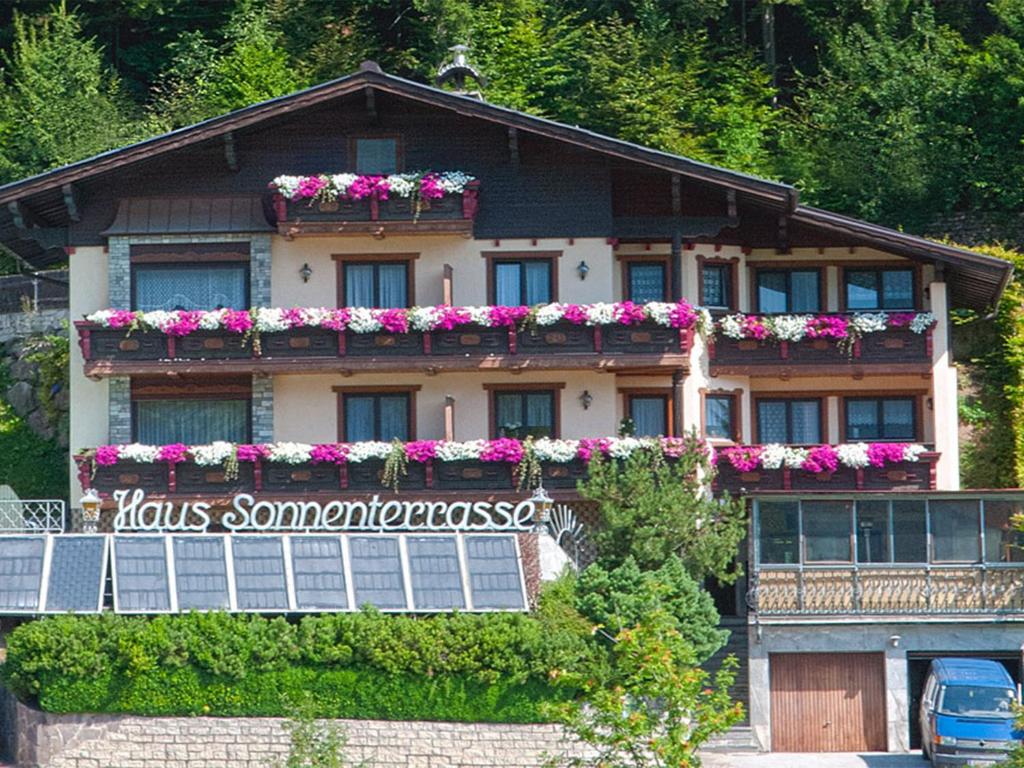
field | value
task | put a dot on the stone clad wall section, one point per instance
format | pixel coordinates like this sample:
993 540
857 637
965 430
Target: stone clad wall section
111 741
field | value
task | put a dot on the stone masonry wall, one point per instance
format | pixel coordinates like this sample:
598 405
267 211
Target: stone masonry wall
109 741
46 413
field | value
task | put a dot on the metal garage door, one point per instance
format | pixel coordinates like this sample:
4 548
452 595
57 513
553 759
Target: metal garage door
827 702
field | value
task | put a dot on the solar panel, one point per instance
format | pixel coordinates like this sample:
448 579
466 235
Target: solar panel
318 570
201 573
495 574
377 572
259 573
78 568
21 573
141 582
435 573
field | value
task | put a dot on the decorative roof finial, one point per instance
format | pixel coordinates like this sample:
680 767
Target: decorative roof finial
457 70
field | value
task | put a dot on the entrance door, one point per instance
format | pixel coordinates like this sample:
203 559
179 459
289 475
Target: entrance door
828 702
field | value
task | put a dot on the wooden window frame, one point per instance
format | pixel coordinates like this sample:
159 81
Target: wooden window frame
755 421
188 253
174 266
788 267
353 149
629 393
736 415
663 260
916 279
553 388
341 259
734 282
190 387
409 390
917 399
492 257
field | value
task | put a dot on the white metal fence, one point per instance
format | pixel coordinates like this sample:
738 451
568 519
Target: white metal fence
32 516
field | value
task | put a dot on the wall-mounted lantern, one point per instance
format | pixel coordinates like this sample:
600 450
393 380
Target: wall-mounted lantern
583 268
306 272
586 399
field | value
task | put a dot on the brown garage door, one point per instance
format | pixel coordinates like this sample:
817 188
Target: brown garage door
828 702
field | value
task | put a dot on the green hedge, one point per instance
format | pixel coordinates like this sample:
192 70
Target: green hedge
489 667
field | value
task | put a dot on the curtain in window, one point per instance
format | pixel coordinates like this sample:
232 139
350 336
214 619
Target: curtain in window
392 286
649 415
909 532
805 417
954 527
538 282
540 417
804 292
193 422
771 421
394 417
771 292
861 420
359 418
199 287
718 417
506 285
646 283
779 532
898 289
827 531
716 285
508 409
898 418
359 285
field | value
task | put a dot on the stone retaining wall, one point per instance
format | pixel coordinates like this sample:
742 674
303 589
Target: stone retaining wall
111 741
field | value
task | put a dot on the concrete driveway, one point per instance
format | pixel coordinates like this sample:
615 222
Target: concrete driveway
808 760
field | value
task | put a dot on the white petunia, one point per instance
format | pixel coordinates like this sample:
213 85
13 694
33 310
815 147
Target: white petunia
460 451
549 314
287 185
290 453
211 321
795 457
422 318
480 315
913 451
773 456
361 320
660 312
269 320
158 319
340 183
869 322
101 318
560 451
732 326
788 327
600 314
402 184
853 455
368 450
922 322
705 323
144 454
214 454
454 182
623 447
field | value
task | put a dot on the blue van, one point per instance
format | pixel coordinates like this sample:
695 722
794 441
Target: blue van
967 713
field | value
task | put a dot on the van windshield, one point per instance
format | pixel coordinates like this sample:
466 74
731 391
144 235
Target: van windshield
976 701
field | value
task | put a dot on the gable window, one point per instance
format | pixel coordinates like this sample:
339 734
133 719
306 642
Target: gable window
720 416
191 412
650 414
717 286
789 421
172 286
788 290
646 281
382 416
380 284
879 289
377 156
525 413
526 281
878 418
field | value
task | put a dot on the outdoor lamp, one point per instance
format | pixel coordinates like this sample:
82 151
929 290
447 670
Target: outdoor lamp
583 268
90 504
306 272
542 505
586 399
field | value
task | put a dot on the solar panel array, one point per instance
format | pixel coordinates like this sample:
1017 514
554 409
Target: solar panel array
168 573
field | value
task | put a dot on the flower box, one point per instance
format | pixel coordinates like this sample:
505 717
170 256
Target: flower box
643 338
383 344
843 477
827 351
121 345
193 478
459 475
369 476
733 480
470 340
307 476
211 345
402 208
563 475
559 337
895 345
901 475
150 477
299 342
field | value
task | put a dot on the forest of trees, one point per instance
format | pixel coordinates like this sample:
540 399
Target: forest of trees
909 113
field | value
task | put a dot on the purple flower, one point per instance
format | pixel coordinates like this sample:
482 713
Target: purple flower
901 319
682 315
421 451
449 317
506 317
173 453
121 318
430 187
106 455
628 313
369 186
821 458
251 452
503 449
393 320
309 186
827 327
237 320
184 324
329 453
335 320
881 453
575 314
744 458
589 446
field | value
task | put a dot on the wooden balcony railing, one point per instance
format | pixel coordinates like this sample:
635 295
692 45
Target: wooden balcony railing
559 346
887 590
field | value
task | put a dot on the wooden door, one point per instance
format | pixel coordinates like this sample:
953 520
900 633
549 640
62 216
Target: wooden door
828 702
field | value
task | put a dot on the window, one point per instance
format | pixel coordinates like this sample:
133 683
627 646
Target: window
376 156
716 286
879 289
381 284
873 532
779 532
646 281
524 413
881 419
383 416
650 414
954 527
909 532
1003 542
827 531
170 286
720 416
193 422
789 421
788 290
522 282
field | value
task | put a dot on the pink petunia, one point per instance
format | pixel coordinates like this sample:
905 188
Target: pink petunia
879 454
393 320
295 317
754 327
430 187
173 453
421 451
335 319
506 317
900 319
237 320
184 323
329 453
503 449
827 327
674 446
575 314
251 452
821 458
744 458
369 186
448 318
628 313
309 186
682 315
590 446
106 455
121 318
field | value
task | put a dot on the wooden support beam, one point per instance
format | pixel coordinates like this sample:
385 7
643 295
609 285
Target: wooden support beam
783 245
677 266
677 403
71 202
446 285
371 103
230 157
513 147
449 418
677 197
730 203
17 213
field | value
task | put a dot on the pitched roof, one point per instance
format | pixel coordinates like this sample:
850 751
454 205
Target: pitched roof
978 279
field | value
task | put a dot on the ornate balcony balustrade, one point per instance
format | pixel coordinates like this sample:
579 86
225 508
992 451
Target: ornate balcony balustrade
901 342
887 590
